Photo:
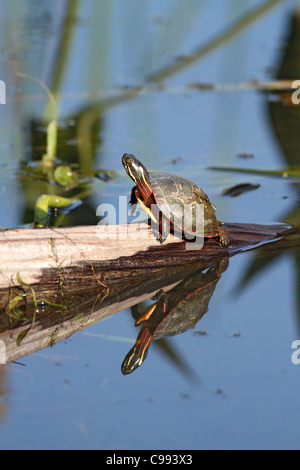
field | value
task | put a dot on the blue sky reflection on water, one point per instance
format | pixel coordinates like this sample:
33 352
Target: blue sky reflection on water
237 387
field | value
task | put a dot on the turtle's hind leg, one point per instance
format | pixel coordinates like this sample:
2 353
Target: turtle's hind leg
223 236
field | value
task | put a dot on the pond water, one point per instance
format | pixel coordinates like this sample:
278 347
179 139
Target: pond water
235 387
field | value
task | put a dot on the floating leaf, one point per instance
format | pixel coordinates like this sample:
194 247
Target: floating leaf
22 336
21 282
106 175
17 314
245 155
51 304
13 303
239 189
65 176
293 172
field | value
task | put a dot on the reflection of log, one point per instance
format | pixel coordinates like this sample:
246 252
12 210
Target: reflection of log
75 254
82 310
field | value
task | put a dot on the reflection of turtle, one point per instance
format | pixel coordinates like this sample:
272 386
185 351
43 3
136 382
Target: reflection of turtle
176 198
174 312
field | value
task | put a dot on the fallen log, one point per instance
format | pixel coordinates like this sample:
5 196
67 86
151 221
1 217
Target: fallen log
76 254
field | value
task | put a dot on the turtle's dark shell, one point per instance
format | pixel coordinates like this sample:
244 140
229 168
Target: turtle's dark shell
181 201
188 302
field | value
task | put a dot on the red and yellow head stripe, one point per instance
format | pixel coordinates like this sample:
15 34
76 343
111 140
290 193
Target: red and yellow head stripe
138 173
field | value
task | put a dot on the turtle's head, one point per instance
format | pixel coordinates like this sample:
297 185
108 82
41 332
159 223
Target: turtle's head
136 355
135 169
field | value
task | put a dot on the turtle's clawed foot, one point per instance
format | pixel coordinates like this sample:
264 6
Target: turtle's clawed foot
159 236
161 239
224 237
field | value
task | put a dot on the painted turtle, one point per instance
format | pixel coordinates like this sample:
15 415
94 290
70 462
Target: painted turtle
170 195
174 312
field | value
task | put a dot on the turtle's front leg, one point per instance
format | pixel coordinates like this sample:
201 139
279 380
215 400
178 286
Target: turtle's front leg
162 228
133 200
